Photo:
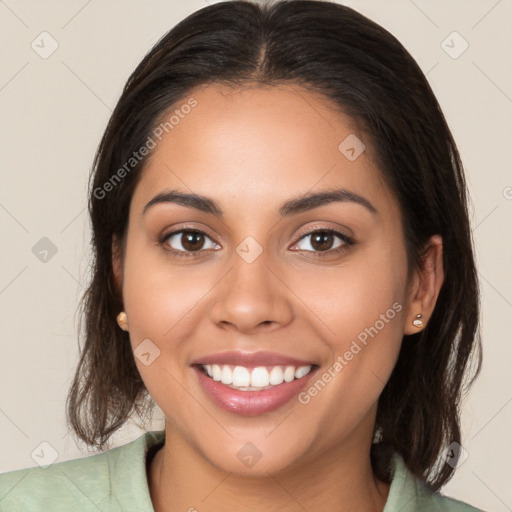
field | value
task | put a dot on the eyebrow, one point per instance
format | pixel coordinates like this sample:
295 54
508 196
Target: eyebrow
290 207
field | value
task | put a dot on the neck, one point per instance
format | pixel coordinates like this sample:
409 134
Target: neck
341 479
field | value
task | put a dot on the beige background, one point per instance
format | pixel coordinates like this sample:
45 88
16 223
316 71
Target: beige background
53 113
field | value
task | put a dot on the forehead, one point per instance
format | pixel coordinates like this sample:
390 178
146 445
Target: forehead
254 146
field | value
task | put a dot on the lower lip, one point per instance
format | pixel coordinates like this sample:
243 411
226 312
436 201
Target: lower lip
251 403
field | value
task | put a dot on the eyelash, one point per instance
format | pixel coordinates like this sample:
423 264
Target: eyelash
348 241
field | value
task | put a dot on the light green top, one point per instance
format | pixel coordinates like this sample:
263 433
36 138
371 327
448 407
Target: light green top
115 481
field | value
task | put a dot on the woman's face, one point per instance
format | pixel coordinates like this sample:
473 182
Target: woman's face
254 280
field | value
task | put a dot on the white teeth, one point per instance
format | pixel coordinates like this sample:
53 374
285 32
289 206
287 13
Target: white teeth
241 376
226 377
289 373
260 377
276 376
301 371
216 372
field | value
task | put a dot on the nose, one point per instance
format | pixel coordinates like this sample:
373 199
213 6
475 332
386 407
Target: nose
252 297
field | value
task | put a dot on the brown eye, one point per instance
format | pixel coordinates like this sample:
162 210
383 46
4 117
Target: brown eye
191 241
323 240
187 240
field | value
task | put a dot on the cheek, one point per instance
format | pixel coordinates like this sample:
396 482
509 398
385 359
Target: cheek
158 294
166 303
360 313
162 302
353 296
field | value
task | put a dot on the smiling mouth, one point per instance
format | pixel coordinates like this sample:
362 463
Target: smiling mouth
258 378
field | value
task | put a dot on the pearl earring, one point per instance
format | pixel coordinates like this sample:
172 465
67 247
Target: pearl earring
417 321
122 320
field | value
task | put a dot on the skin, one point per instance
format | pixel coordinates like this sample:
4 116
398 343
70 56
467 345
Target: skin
251 149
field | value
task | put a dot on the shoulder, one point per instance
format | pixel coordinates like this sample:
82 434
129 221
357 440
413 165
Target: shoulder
69 484
89 483
409 494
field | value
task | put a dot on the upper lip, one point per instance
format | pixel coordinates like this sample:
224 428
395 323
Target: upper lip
249 359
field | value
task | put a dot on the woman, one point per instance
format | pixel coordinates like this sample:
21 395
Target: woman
284 264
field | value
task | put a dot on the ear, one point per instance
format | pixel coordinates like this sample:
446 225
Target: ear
117 264
425 286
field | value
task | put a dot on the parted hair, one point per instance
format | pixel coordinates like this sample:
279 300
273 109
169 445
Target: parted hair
366 73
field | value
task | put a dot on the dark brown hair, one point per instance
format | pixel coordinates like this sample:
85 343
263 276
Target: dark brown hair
365 72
